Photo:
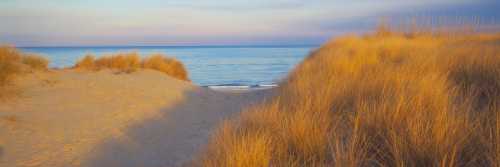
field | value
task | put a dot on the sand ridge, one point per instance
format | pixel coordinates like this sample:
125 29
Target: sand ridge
77 118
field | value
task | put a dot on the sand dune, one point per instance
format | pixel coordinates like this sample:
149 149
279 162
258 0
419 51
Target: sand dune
72 118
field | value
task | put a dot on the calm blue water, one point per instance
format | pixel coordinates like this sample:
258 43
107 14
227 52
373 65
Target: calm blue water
216 65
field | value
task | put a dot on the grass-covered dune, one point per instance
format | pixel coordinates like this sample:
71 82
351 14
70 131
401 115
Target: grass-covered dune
129 62
14 63
115 110
384 99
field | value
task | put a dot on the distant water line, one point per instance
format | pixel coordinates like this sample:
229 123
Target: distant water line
215 66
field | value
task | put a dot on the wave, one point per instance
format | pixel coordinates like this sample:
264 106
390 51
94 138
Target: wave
241 86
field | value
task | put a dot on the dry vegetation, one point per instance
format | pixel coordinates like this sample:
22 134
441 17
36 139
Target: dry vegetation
9 64
35 62
169 66
13 62
129 62
387 99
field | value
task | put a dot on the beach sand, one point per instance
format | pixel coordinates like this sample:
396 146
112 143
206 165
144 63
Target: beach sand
78 118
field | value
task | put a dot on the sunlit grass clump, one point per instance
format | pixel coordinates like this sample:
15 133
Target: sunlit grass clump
10 60
13 63
35 62
387 99
130 62
86 62
167 65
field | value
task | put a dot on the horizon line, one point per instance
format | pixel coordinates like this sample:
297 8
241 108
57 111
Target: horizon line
132 46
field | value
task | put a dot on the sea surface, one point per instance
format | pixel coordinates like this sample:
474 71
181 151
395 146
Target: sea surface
213 66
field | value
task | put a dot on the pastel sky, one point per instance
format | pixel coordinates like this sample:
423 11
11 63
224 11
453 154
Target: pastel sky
211 22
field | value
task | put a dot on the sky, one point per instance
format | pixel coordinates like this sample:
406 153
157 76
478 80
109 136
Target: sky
213 22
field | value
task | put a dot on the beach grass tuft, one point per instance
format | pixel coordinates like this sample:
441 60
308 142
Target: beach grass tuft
86 62
35 62
10 60
167 65
125 62
14 63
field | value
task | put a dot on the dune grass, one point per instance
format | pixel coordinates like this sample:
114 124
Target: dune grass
9 64
86 62
14 63
125 62
130 62
35 62
167 65
386 99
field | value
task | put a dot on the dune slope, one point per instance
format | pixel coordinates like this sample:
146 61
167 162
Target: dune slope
391 99
74 118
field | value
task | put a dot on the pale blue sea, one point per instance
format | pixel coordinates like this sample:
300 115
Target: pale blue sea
207 65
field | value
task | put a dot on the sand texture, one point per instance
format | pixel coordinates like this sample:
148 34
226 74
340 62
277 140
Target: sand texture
76 118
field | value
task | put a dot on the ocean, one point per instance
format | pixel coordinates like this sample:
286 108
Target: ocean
213 66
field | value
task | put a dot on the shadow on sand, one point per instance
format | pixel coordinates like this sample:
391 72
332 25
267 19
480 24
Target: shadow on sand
174 137
1 152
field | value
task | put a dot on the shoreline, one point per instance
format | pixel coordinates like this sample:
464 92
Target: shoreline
240 87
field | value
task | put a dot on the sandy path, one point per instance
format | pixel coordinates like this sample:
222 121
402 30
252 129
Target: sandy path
69 118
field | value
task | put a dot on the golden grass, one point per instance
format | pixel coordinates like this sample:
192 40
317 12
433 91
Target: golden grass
36 62
129 62
86 62
169 66
387 99
13 63
9 64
